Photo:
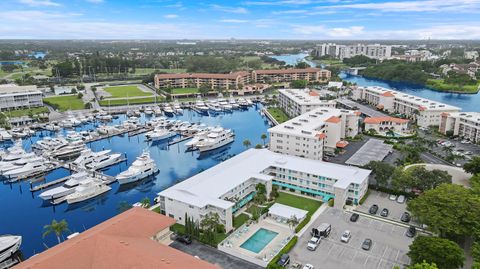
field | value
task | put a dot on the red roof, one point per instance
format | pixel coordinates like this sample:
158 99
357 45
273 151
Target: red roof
288 71
333 119
377 120
358 113
201 75
321 136
421 108
388 94
342 144
122 242
313 93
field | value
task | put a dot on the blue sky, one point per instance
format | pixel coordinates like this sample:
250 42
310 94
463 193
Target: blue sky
248 19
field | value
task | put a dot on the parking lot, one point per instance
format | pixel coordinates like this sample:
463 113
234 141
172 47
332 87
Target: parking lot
389 248
381 199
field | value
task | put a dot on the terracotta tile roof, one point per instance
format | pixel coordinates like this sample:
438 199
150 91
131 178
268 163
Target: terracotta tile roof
358 113
288 71
379 106
377 120
313 93
388 94
321 136
122 242
333 119
421 108
342 144
201 75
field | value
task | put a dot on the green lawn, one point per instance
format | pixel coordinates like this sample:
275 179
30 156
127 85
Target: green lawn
240 220
185 91
278 114
439 84
25 112
309 205
64 103
125 92
120 102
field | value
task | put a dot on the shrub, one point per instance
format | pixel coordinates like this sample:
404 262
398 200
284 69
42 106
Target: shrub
364 197
303 223
273 263
331 202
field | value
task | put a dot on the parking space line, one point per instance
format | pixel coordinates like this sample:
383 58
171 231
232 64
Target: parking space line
396 257
385 251
355 255
366 260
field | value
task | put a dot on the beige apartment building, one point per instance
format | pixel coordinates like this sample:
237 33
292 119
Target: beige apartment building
299 101
426 112
463 124
289 75
313 133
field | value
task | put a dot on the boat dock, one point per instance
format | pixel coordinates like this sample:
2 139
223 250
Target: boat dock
141 130
48 184
178 140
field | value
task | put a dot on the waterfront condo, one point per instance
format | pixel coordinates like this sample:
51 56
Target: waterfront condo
296 102
463 124
426 112
230 185
312 133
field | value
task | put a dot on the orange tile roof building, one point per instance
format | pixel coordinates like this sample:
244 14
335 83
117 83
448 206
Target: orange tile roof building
386 124
288 75
137 238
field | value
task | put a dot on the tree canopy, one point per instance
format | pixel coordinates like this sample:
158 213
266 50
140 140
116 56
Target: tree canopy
473 166
444 253
449 210
420 179
381 170
299 84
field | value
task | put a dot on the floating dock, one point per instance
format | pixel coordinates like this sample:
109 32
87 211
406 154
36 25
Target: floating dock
178 140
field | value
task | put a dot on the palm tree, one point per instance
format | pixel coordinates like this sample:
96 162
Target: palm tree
145 202
390 132
58 228
293 222
247 143
263 137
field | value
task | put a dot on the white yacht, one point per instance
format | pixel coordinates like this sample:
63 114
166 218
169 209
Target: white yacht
199 136
49 144
68 187
27 158
68 150
104 161
5 135
148 111
142 167
157 111
177 108
218 137
26 170
159 134
168 111
87 191
233 103
9 244
87 156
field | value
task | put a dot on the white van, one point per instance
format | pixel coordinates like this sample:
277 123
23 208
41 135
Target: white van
323 230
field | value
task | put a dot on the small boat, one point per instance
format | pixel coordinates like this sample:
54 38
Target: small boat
141 168
87 191
9 244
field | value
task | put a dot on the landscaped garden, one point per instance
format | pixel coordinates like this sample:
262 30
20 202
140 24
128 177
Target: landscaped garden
278 114
26 112
64 103
185 91
125 92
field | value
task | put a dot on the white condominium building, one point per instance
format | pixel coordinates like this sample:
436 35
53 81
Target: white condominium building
375 51
230 185
299 101
426 112
463 124
312 133
13 97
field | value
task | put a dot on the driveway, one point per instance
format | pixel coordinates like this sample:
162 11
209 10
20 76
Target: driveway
214 256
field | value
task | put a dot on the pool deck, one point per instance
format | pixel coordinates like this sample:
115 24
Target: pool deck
231 244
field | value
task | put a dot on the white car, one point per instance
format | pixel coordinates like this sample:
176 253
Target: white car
346 236
401 199
313 243
308 266
392 197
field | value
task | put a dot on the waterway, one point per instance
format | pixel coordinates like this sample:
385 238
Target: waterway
468 102
25 214
293 59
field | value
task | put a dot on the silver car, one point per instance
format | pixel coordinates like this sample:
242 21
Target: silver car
346 236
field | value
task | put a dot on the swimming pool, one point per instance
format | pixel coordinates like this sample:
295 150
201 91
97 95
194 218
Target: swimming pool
259 240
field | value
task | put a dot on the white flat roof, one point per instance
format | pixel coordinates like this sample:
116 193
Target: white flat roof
303 97
470 116
286 211
11 88
309 124
413 99
206 187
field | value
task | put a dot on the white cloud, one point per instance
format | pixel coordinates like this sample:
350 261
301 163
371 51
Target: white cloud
234 21
39 3
412 6
171 16
238 10
95 1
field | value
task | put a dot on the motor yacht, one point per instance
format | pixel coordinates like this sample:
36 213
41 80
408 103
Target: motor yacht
142 167
218 137
159 134
27 158
30 168
104 161
68 187
87 156
9 244
68 150
168 111
148 111
177 108
5 135
87 191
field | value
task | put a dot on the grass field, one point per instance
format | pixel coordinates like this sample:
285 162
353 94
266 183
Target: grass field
25 112
440 85
240 220
278 114
121 102
309 205
64 103
185 91
253 58
125 92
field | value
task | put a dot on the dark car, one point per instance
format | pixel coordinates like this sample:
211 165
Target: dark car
367 244
284 260
184 239
373 209
411 232
384 212
354 217
405 217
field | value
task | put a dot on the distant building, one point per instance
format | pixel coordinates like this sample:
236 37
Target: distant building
416 56
299 101
463 124
468 69
136 238
311 134
426 112
374 51
59 90
230 185
15 97
289 75
472 55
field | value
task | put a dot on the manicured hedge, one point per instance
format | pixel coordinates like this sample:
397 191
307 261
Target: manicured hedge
273 263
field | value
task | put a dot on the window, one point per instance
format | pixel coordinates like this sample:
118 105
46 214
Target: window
171 215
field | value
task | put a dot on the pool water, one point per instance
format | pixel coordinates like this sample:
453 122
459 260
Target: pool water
259 240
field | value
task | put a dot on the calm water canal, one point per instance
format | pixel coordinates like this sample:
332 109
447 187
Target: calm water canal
25 214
